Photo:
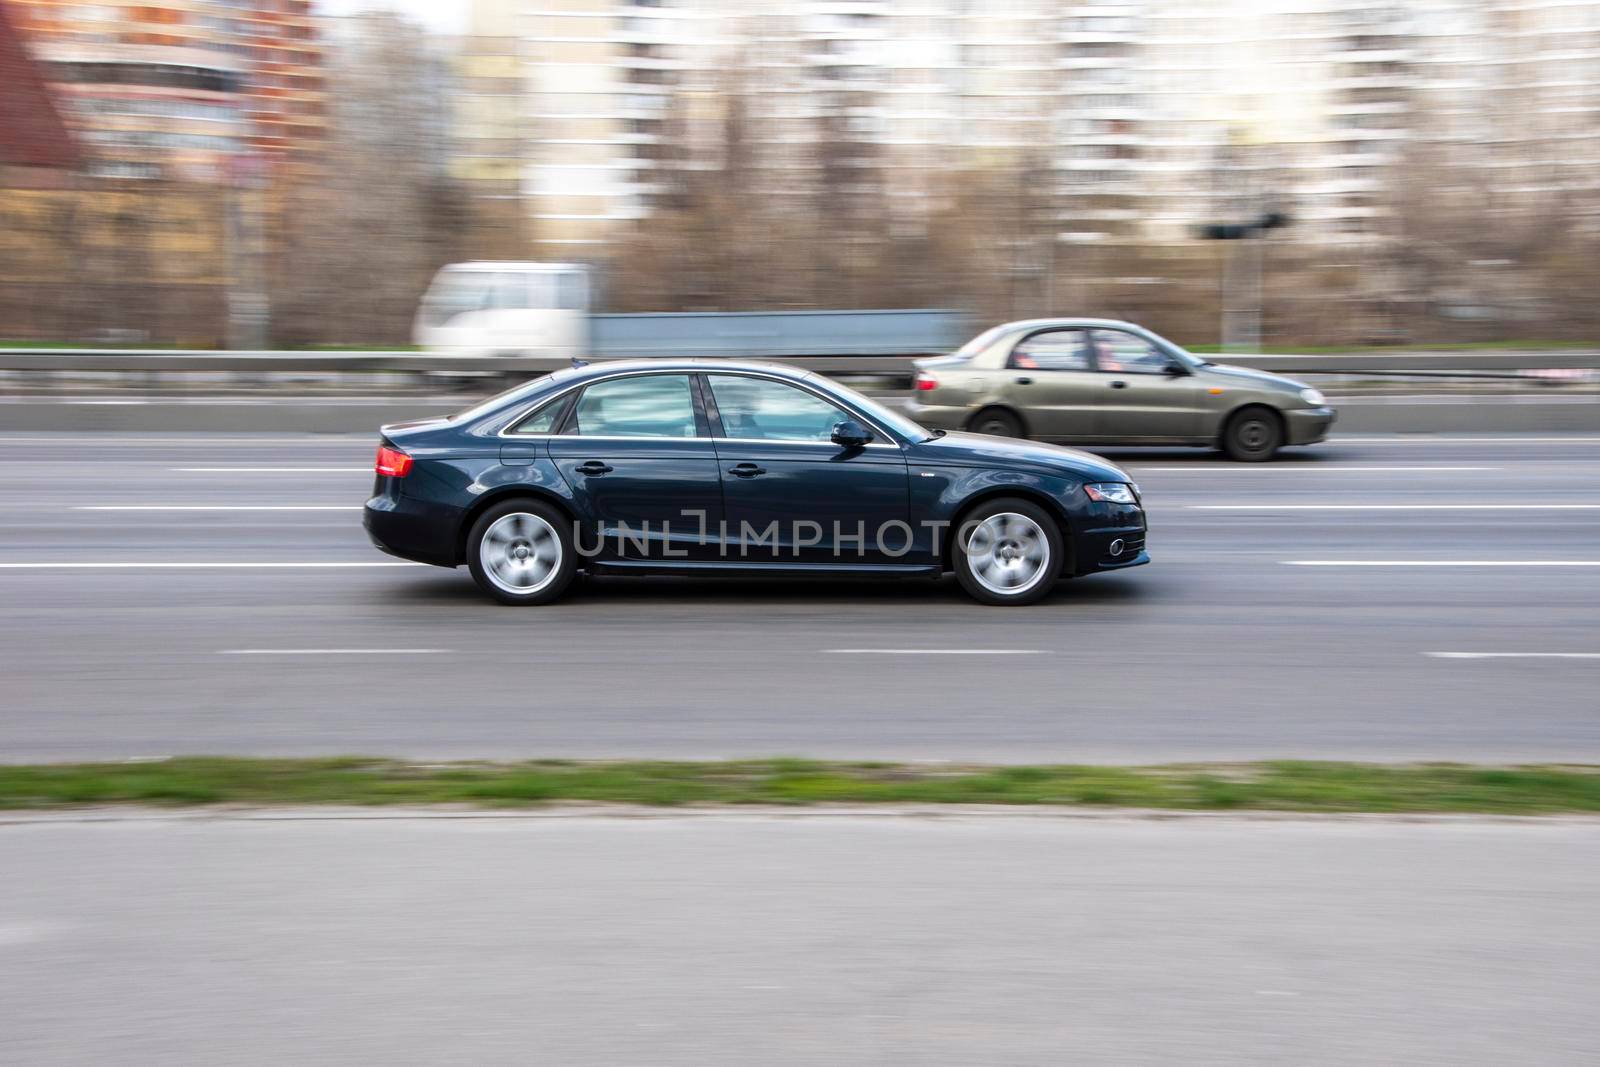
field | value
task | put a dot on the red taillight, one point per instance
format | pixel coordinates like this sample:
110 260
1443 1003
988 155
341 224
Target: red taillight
926 381
393 463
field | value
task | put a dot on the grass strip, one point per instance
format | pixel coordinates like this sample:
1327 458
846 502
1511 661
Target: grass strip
1267 786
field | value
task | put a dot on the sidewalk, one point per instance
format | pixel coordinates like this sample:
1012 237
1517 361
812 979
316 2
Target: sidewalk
740 939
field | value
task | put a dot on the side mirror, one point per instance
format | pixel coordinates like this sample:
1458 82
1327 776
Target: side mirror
850 434
1176 370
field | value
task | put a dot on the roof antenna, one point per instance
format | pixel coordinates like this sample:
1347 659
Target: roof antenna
579 362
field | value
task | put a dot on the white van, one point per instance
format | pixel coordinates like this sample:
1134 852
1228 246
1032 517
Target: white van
504 309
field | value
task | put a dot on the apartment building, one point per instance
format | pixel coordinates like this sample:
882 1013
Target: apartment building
194 90
1151 117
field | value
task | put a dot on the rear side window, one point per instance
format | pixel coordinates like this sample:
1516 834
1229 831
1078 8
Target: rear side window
1052 350
650 405
545 419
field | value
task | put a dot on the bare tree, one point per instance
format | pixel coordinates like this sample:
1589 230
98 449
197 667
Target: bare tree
361 241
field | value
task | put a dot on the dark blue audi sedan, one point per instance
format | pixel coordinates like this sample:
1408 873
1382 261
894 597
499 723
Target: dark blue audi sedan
691 466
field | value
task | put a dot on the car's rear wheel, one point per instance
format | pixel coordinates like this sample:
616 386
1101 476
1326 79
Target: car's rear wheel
521 552
1253 435
996 422
1007 551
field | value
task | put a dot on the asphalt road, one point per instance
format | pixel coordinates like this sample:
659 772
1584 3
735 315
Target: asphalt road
1225 647
798 940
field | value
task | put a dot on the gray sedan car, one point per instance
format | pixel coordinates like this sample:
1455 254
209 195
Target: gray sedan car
1109 382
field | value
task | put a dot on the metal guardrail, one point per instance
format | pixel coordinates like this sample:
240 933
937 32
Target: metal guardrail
736 334
156 362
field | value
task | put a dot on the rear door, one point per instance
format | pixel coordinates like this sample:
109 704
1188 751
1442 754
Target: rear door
793 496
1142 392
637 454
1049 378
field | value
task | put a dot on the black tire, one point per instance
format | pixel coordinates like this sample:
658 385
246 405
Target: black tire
1253 435
996 422
987 587
545 529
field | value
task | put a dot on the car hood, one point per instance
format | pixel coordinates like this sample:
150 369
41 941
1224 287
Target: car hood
1260 377
976 449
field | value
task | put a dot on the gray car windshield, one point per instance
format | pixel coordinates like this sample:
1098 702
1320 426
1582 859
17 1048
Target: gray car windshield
978 343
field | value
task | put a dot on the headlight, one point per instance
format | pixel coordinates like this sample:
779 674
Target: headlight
1313 397
1111 492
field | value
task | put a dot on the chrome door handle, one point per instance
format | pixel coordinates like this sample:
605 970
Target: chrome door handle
746 470
594 466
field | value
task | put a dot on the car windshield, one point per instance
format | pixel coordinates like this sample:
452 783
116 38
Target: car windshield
882 415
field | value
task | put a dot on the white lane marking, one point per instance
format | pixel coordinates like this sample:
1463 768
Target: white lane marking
274 470
330 651
1392 507
234 566
1485 439
217 507
1440 563
1298 469
1513 655
935 651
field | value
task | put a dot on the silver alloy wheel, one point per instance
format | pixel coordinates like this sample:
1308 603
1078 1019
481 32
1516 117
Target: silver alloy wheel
520 553
1008 553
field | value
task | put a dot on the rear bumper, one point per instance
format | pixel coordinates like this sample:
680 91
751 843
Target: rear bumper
938 416
410 530
1307 426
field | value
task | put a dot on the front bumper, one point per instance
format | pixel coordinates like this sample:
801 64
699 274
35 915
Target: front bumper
1307 426
1113 540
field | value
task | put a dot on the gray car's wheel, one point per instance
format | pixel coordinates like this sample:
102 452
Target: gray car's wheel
996 422
521 552
1253 435
1007 551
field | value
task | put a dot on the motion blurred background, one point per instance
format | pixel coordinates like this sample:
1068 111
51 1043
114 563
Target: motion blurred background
279 174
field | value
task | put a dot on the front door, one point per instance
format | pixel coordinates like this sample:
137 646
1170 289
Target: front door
1138 395
637 455
1049 378
791 495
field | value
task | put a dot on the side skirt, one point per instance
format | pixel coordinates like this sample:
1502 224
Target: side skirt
715 567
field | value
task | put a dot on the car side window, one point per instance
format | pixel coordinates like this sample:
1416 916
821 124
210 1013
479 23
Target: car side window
1122 353
761 409
545 419
571 291
647 405
1052 350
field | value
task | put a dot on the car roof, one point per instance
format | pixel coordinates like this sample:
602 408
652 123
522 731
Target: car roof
612 366
1034 324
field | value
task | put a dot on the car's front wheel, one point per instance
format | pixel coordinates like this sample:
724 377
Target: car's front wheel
521 552
1008 551
1253 435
